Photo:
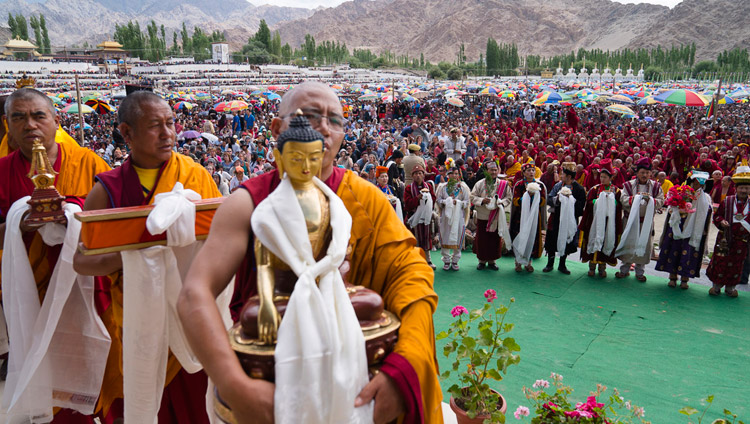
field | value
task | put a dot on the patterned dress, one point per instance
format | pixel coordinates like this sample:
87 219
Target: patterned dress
732 244
678 256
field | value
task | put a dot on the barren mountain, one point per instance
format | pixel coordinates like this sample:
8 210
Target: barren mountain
545 27
78 21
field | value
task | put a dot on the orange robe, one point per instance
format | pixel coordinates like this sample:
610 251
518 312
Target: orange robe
386 259
124 191
76 167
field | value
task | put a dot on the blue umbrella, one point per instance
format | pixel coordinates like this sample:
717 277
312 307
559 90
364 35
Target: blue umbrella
86 127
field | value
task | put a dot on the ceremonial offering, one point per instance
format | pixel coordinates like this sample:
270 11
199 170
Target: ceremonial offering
46 201
681 197
117 229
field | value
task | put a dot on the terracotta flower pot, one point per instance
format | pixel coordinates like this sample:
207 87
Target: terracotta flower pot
462 418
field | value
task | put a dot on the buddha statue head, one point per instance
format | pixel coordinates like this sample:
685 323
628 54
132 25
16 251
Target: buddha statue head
299 152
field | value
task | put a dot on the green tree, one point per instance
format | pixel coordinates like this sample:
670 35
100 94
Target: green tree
46 47
22 27
276 46
454 73
264 35
187 45
253 52
705 66
286 53
309 49
34 22
492 55
436 73
12 25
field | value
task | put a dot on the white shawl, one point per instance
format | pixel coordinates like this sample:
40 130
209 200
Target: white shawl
524 242
321 364
635 237
568 225
454 215
694 224
602 236
745 212
152 280
59 349
423 214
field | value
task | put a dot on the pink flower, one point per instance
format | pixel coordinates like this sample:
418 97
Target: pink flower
458 310
556 377
541 384
490 295
521 411
639 411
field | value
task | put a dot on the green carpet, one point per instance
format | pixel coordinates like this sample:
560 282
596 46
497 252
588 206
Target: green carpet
663 348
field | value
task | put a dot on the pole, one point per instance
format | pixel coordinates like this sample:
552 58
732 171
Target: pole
80 112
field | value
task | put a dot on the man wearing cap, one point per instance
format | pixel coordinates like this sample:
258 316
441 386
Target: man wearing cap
414 158
601 224
527 218
732 218
641 198
683 240
566 200
419 199
490 197
455 145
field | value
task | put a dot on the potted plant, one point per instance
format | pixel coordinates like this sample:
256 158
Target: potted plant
482 352
551 405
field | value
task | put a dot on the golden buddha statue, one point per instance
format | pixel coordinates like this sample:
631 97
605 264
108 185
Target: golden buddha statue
299 156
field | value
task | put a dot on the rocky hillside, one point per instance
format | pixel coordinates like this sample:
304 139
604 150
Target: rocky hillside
545 27
75 21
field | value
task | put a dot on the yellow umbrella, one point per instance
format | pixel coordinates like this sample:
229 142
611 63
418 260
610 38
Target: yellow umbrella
455 101
621 109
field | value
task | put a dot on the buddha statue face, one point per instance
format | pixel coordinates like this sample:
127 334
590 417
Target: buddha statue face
300 160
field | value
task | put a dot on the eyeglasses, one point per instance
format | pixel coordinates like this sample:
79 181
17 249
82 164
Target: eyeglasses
337 122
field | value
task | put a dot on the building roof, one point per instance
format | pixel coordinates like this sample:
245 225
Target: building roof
109 45
18 44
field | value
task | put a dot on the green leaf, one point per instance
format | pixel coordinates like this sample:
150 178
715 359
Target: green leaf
688 411
469 342
511 344
441 335
446 374
488 336
728 412
494 374
710 399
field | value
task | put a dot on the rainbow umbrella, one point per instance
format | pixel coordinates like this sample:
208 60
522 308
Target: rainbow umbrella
649 100
368 97
507 94
183 106
621 99
73 108
551 97
726 100
233 106
682 97
489 91
621 109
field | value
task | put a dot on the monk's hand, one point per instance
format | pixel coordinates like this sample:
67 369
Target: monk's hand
486 200
725 224
389 402
251 401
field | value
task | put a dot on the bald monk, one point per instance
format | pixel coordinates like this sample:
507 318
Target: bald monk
29 114
147 124
8 145
384 258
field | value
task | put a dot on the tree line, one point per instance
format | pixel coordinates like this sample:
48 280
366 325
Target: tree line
19 28
151 44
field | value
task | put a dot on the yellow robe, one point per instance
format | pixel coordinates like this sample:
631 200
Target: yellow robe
385 259
61 137
78 166
193 176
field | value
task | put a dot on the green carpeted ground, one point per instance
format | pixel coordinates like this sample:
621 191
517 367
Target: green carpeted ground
663 348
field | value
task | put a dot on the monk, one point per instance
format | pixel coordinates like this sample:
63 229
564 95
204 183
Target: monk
147 124
384 258
31 115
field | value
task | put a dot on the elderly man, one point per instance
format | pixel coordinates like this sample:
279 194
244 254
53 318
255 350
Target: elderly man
419 199
413 159
455 145
641 198
383 257
30 115
490 196
563 220
147 124
453 204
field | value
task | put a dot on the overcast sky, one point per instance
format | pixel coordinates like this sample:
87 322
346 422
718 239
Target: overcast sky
329 3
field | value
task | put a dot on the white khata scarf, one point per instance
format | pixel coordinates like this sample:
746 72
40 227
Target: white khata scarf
568 225
423 214
635 237
524 242
602 237
693 227
59 347
321 364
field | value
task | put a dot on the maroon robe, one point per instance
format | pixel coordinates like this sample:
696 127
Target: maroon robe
588 220
730 250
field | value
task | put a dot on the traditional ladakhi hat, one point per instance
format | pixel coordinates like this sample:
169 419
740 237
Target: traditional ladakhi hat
643 163
414 148
417 168
380 170
528 165
569 168
742 175
606 165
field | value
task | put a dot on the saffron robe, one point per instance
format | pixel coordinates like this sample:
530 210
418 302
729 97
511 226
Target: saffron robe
385 259
61 137
123 187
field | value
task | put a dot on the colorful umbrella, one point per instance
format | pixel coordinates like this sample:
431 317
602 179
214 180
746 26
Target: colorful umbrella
551 97
489 91
621 109
621 99
73 109
183 106
682 97
101 107
190 134
233 106
649 100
